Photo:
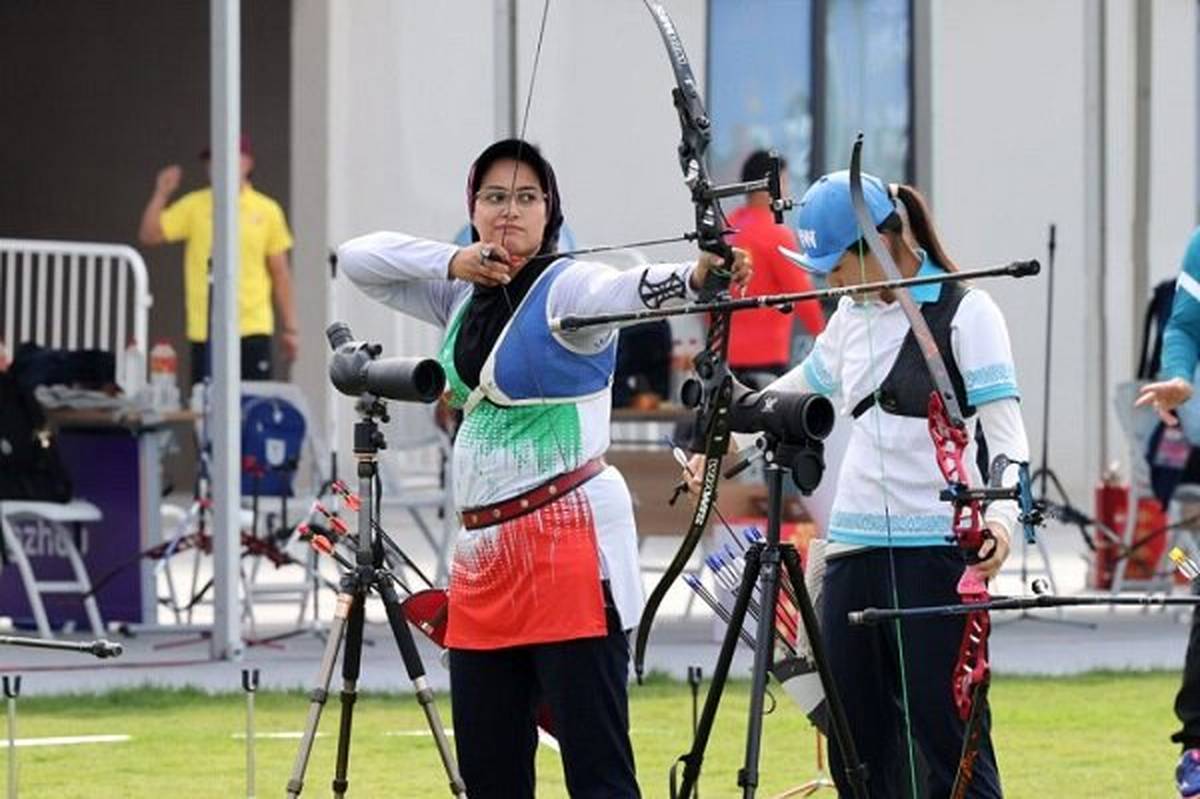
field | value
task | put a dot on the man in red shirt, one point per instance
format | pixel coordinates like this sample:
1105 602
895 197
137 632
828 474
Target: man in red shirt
760 341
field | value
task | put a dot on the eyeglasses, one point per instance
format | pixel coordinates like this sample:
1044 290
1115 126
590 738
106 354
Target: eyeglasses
502 198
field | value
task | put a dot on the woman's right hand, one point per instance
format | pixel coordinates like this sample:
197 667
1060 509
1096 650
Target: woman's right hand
482 263
1165 396
168 179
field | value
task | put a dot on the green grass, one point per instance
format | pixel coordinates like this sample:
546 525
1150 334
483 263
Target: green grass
1097 735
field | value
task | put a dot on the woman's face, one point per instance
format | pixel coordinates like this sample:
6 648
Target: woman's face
854 269
508 212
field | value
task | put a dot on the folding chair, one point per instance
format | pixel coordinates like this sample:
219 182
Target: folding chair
64 519
1138 425
267 533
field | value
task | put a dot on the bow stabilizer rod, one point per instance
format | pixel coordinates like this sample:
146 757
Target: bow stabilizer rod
1016 269
869 616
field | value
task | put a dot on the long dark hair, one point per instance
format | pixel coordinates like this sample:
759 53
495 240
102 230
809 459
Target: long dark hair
920 221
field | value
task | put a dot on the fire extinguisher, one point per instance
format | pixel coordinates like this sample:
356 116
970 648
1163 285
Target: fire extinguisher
1149 534
1112 505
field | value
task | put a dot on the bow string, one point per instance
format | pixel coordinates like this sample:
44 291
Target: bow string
951 439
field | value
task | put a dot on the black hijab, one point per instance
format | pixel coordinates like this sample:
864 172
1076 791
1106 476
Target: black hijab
489 310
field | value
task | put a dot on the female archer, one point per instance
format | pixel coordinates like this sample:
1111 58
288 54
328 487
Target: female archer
889 533
544 581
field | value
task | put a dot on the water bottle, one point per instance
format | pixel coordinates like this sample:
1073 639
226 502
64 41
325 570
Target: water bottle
164 390
133 370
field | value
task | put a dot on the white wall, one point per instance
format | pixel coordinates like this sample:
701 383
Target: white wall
1008 135
409 102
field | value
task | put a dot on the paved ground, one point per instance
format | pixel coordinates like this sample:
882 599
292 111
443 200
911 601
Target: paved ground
1122 639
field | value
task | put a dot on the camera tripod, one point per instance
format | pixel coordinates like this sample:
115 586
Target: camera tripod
764 562
369 573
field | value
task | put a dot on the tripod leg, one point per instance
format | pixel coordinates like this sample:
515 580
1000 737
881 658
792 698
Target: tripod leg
337 630
416 673
856 770
351 667
712 700
763 655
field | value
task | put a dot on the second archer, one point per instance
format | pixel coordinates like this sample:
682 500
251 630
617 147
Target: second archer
889 533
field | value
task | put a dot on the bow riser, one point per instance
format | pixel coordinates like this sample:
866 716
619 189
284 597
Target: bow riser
950 437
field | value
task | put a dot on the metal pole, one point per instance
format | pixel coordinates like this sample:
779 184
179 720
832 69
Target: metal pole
1095 251
1142 141
12 688
226 642
504 62
250 685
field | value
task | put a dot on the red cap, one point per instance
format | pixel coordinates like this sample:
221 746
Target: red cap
243 145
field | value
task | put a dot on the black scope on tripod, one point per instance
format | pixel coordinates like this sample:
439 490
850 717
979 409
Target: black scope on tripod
791 417
356 368
795 424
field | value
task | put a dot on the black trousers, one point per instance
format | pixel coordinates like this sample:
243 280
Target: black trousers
1187 701
495 694
256 358
866 668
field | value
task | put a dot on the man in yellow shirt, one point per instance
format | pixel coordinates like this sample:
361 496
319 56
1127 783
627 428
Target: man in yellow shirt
264 272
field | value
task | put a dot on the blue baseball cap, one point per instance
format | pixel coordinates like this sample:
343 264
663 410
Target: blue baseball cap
827 227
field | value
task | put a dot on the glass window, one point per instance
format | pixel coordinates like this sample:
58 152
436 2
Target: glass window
760 84
803 77
867 84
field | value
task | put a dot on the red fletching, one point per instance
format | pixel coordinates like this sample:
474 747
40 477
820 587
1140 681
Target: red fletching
322 544
335 522
349 497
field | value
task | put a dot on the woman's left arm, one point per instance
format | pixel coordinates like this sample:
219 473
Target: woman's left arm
1005 432
587 288
982 350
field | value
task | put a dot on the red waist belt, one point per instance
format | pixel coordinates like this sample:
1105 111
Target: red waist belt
531 500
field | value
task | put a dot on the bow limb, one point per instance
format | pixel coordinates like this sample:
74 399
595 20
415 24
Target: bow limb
712 391
950 436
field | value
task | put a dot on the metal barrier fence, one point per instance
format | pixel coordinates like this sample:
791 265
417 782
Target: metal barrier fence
73 295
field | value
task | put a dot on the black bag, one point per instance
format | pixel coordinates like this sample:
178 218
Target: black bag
30 466
1158 313
34 365
1173 459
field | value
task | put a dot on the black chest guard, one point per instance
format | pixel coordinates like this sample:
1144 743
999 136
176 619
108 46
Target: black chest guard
906 389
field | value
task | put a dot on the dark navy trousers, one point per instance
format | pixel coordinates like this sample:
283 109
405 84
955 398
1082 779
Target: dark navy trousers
866 667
